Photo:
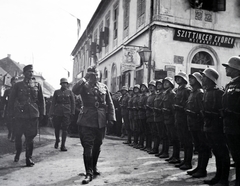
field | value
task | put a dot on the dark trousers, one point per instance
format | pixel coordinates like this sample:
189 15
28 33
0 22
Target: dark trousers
173 136
233 141
27 127
219 147
11 128
200 140
91 140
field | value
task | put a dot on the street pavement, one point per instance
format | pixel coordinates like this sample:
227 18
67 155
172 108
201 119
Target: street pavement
119 164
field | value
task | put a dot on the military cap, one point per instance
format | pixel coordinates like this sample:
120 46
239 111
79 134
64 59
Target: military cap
212 74
159 81
130 89
152 82
182 75
92 69
233 62
124 88
136 86
27 67
170 80
63 80
144 84
197 76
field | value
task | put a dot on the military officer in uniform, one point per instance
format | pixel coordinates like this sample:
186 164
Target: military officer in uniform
195 125
142 115
130 114
98 109
182 94
62 110
231 111
213 127
125 112
151 127
136 129
169 120
27 105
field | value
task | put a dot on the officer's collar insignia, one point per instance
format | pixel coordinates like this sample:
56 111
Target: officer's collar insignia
31 82
101 88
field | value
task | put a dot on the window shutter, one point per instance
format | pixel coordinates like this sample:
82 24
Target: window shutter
106 35
221 5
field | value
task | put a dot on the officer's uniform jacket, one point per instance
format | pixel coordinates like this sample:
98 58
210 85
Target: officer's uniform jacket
130 108
158 105
6 97
180 101
26 100
150 107
168 102
63 103
231 106
98 106
124 105
136 99
212 105
142 106
193 110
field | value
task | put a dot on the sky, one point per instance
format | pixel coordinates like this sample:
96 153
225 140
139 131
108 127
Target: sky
43 33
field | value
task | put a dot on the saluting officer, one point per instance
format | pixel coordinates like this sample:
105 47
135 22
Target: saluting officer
213 127
168 113
62 109
231 111
27 105
150 119
136 129
98 109
195 124
125 112
182 94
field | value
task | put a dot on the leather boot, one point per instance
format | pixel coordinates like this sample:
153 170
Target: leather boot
95 160
191 172
165 153
202 172
29 151
18 146
88 163
155 146
188 159
64 137
57 131
176 153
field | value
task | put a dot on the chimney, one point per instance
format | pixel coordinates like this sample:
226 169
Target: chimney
9 55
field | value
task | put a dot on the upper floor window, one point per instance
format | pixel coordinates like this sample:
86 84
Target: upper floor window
106 29
141 9
211 5
126 9
115 21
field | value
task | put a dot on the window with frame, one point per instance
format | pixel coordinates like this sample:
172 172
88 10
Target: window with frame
115 21
101 37
106 29
141 9
126 12
210 5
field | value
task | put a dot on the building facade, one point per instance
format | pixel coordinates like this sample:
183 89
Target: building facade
183 35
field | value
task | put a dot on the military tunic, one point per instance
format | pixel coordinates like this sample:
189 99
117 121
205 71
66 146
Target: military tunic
213 128
62 108
231 119
97 110
125 113
26 105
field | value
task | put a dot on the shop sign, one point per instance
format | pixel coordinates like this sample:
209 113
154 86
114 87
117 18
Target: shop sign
204 38
130 59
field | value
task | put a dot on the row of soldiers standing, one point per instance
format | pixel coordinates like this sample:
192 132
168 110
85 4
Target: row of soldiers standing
201 114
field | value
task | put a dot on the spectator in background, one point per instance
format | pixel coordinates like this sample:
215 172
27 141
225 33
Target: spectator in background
9 121
117 128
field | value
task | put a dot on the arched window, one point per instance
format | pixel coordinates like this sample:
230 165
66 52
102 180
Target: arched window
105 78
114 79
203 58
